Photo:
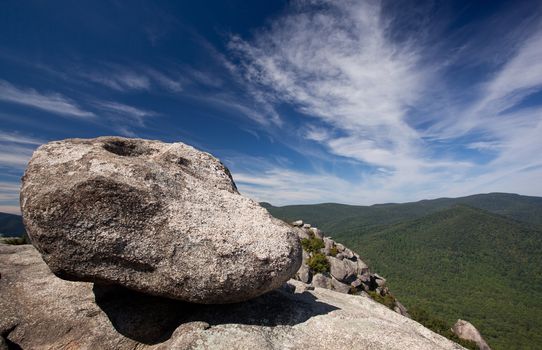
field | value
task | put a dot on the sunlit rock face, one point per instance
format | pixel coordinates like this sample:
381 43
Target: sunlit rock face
159 218
40 311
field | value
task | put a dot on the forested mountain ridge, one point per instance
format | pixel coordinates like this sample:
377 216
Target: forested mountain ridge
11 225
478 258
363 219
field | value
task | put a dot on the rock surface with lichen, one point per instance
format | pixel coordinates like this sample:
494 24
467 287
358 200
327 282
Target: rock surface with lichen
41 311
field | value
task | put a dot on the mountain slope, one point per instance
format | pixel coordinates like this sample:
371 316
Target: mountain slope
465 263
11 225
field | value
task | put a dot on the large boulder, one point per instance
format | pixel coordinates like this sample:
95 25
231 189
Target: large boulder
40 311
163 219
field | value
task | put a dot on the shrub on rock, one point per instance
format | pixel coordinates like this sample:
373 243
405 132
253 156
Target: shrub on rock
318 263
312 245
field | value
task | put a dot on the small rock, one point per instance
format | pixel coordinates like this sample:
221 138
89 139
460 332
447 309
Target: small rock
306 257
380 281
304 274
361 267
339 287
348 253
321 281
328 245
356 283
297 223
340 247
317 233
466 330
342 270
307 226
340 256
401 309
303 234
365 278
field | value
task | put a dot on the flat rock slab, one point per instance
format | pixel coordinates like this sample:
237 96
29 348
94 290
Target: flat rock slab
163 219
41 311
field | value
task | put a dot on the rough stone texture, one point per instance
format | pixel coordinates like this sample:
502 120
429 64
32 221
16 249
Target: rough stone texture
339 287
380 281
348 253
401 309
343 270
361 268
357 283
40 311
328 244
304 274
321 281
298 223
466 330
317 233
164 219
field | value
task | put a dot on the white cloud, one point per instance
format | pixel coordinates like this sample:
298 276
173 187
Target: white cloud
9 192
50 102
520 77
226 103
138 78
14 156
338 66
173 85
121 81
135 115
19 138
334 63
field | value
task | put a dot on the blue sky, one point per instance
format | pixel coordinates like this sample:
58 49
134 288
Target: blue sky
357 102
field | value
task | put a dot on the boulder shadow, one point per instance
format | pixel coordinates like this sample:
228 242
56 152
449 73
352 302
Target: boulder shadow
150 320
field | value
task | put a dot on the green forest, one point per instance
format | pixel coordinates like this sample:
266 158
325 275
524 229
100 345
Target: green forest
477 258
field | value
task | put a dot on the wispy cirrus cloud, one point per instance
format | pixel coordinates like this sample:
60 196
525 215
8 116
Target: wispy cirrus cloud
121 81
50 102
18 138
137 78
336 64
16 149
123 117
120 108
359 93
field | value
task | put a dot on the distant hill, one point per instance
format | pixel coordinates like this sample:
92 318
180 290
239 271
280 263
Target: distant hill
477 258
11 225
341 218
